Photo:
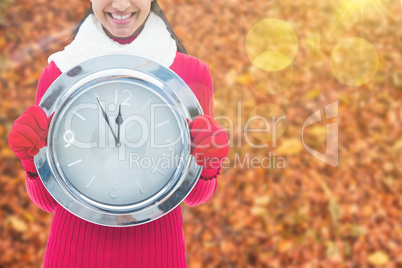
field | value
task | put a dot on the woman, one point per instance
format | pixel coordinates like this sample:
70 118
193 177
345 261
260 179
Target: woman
133 27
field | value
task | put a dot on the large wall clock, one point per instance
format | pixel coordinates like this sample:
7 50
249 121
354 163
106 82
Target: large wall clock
118 147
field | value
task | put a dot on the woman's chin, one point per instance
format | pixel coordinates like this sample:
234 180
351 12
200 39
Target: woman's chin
120 34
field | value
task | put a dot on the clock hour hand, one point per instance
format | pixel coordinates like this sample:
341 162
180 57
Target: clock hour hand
119 121
107 121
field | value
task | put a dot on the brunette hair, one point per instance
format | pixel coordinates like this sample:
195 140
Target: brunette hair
155 8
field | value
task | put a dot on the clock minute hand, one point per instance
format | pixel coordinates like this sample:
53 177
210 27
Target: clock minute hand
107 119
119 121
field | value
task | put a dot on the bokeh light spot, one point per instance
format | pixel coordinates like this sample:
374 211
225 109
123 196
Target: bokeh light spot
272 61
269 117
275 37
272 82
354 61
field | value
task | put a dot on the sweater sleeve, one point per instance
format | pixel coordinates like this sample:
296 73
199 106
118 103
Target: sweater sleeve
207 183
35 188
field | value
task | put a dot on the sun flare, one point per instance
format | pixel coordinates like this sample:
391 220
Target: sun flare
351 7
358 5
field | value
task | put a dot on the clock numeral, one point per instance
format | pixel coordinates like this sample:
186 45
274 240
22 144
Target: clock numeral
113 194
125 102
69 137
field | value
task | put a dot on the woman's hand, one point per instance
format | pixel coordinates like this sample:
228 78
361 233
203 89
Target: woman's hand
28 135
209 142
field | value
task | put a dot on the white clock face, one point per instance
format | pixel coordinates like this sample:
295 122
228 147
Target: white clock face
128 162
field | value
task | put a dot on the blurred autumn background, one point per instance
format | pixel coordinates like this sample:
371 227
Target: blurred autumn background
276 205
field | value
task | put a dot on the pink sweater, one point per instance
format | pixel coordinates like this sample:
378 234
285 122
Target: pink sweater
74 242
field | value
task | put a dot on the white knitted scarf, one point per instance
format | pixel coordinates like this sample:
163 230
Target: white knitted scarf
154 42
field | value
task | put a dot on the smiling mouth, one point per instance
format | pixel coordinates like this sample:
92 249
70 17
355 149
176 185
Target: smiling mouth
118 17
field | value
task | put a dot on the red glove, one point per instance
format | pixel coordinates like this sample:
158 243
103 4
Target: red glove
209 142
28 135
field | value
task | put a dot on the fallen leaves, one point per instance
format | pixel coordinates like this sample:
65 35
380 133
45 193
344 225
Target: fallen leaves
15 223
378 258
